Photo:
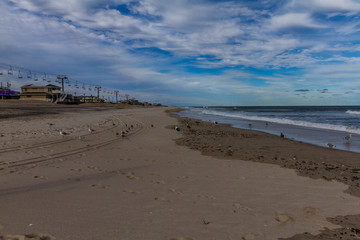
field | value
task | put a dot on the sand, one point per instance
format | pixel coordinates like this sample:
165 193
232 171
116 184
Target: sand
143 185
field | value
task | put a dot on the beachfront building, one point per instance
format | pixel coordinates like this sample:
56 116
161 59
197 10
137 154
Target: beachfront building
48 93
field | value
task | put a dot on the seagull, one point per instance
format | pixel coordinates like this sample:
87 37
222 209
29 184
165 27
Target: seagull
177 128
63 133
91 130
329 145
348 137
215 122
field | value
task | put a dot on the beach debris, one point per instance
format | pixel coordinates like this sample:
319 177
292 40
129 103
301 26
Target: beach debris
51 124
177 128
114 124
348 137
63 133
282 135
122 133
329 145
206 222
152 125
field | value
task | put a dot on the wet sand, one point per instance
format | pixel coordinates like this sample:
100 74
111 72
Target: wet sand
142 185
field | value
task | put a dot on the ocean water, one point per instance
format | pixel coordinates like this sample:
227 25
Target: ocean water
311 124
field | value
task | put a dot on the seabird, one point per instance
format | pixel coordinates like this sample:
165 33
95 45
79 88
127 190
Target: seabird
282 135
215 122
91 130
63 133
177 128
348 137
329 145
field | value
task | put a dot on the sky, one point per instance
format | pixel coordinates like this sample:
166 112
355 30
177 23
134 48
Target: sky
187 52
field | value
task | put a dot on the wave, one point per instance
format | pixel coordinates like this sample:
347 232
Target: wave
350 129
353 112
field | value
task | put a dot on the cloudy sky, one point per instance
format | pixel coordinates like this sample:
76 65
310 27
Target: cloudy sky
186 52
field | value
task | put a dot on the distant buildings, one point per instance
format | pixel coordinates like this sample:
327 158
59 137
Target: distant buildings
7 93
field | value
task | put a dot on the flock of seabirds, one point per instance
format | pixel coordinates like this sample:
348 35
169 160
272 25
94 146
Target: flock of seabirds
123 133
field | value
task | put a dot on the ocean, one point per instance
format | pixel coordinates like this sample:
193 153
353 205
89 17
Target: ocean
316 125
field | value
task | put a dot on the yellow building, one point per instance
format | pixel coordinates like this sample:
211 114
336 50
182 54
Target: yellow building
46 93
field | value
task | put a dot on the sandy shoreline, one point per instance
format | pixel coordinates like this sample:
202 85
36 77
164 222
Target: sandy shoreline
145 186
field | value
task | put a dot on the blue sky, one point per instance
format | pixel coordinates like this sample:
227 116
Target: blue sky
183 52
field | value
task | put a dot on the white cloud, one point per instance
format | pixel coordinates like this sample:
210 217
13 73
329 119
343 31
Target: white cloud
294 20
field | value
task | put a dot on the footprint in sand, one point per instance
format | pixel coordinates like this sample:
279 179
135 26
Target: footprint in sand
175 191
310 211
284 218
99 185
240 208
76 169
131 191
162 199
40 177
130 175
158 182
206 196
125 159
251 236
182 177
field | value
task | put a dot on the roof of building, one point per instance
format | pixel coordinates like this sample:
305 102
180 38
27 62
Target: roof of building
34 86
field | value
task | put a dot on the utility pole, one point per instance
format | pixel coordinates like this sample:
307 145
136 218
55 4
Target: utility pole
62 77
98 88
116 93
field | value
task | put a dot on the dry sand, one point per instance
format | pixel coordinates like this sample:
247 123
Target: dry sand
144 185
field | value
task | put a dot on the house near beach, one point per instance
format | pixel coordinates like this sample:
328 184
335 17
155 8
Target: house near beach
49 92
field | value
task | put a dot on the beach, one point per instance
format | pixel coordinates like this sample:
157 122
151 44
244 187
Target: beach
119 172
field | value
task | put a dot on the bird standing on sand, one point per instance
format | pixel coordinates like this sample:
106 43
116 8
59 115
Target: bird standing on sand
63 133
348 137
329 145
177 128
91 130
